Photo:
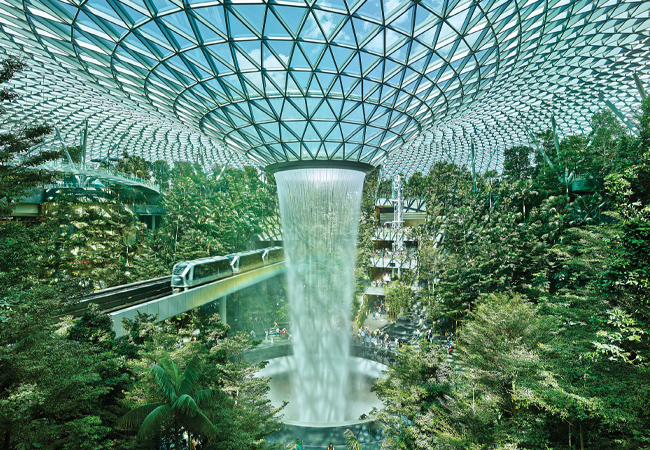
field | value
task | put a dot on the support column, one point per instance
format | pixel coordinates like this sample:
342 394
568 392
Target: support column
223 303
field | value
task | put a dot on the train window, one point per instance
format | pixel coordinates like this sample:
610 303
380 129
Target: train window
179 269
211 268
223 265
250 258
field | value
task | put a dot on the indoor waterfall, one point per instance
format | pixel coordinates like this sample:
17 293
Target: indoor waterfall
320 210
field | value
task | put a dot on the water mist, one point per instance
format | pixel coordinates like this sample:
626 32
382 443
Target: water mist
320 209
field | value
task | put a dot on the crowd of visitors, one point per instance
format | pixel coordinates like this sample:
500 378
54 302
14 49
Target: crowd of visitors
401 254
274 332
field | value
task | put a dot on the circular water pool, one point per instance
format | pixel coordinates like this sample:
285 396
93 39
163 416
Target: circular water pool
361 400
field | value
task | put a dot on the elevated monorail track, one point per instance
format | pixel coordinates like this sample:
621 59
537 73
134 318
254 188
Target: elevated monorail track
124 296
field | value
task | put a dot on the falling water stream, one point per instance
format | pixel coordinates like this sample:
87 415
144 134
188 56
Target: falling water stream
320 217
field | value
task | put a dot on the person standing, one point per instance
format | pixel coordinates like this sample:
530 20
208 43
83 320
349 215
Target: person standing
299 444
330 447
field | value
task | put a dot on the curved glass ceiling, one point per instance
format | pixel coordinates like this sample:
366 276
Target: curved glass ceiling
401 81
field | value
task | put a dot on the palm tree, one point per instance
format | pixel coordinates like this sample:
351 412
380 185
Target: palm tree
353 442
185 406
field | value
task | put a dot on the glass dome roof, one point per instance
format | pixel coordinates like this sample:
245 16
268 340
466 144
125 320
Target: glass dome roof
399 82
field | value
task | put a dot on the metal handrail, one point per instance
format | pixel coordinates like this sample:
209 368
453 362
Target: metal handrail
63 166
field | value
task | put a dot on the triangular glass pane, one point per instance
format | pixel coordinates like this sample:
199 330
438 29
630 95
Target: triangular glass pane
276 80
376 44
299 103
323 127
253 15
259 115
273 27
254 82
289 112
252 49
151 29
328 21
335 106
292 87
312 104
162 6
282 49
232 82
237 28
335 135
311 30
348 129
327 62
404 22
298 60
354 67
400 53
178 21
273 129
298 127
312 52
424 19
270 61
292 149
220 67
371 9
214 15
436 6
242 61
357 137
349 111
332 149
363 29
310 134
291 16
325 80
302 80
345 35
324 112
347 84
287 131
458 20
182 41
206 34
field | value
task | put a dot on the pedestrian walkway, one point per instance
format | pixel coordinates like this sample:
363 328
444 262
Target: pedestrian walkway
374 323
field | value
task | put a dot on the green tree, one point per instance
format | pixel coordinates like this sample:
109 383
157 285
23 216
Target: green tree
414 394
19 155
50 387
398 298
134 165
416 185
161 172
183 406
517 162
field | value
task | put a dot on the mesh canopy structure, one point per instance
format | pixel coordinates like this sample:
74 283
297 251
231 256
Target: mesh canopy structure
404 83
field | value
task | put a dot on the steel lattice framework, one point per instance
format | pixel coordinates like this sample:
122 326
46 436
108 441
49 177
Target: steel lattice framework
404 82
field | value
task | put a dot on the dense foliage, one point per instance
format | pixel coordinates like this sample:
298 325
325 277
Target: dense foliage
543 276
73 384
19 154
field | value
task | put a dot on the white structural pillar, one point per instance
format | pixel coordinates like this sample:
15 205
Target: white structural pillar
223 305
398 221
175 304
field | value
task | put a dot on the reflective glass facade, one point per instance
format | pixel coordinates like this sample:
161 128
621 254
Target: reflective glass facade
401 82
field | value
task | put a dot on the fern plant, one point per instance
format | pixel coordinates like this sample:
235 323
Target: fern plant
185 406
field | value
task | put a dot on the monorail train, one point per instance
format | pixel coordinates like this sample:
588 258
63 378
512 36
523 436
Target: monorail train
188 274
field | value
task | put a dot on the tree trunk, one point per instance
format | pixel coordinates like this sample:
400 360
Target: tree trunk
582 439
7 440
